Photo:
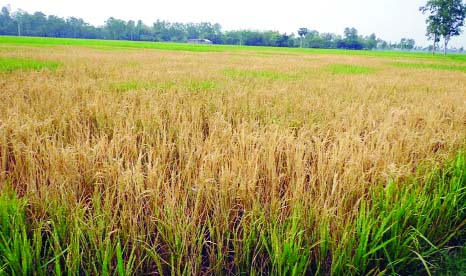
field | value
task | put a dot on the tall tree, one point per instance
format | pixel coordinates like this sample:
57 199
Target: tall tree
131 28
351 33
351 40
302 32
38 24
7 25
445 18
433 22
370 42
407 44
116 28
18 17
433 31
56 26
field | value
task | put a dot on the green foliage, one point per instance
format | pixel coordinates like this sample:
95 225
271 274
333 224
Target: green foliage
21 23
349 69
287 247
405 226
12 64
127 86
200 86
452 262
16 256
445 18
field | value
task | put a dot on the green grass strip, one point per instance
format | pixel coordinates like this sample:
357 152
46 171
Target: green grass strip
446 67
12 64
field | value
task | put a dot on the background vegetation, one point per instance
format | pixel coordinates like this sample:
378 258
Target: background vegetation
41 25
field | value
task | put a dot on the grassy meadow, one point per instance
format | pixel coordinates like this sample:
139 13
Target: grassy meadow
138 158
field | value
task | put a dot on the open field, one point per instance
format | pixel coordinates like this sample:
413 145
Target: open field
155 158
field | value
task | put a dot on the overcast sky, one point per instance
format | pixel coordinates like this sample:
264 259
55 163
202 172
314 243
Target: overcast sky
389 19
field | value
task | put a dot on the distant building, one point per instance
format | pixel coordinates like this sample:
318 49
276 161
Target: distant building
199 41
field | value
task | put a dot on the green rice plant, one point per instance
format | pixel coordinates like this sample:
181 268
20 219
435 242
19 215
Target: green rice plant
288 246
322 233
404 226
182 245
247 243
18 254
200 86
9 65
127 86
125 264
452 262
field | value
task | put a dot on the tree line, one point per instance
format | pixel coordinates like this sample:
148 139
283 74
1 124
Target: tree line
22 23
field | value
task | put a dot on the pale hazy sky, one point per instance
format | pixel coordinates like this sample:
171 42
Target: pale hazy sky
389 19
